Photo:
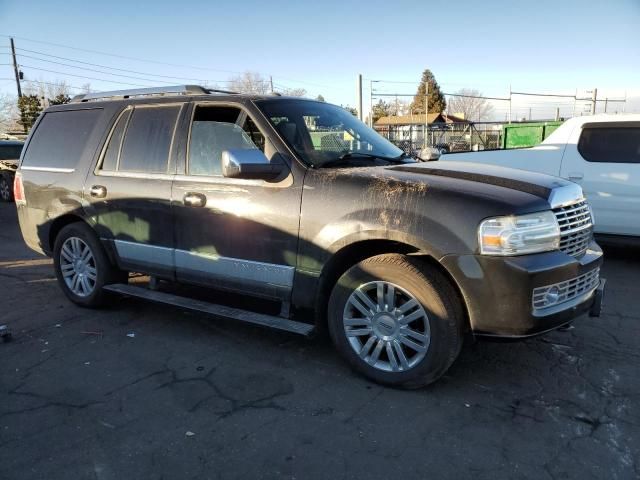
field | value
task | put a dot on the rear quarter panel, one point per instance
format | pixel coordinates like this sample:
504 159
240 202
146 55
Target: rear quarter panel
50 194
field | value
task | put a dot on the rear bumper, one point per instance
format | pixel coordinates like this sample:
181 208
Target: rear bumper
498 291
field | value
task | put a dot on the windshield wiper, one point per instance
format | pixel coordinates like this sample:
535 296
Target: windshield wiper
353 155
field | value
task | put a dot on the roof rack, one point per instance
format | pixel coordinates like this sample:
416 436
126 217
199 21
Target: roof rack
146 92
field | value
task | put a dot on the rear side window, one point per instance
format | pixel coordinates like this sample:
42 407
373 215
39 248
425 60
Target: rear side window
147 141
60 138
111 154
615 144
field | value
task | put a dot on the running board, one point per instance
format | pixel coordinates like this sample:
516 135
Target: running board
247 316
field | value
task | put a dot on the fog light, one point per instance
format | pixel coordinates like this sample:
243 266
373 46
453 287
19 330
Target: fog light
552 296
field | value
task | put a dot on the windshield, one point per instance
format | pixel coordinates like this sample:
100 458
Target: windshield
325 134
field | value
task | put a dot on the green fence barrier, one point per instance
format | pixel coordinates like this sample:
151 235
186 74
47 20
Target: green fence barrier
522 135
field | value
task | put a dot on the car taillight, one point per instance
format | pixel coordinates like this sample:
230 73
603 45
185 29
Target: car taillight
18 189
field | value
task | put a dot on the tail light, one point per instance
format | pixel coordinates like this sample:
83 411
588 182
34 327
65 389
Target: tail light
18 189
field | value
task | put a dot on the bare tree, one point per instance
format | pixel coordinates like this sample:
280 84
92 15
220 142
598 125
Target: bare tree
57 88
293 92
470 105
250 82
253 82
9 114
399 107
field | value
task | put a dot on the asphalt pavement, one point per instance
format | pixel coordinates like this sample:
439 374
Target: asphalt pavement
142 391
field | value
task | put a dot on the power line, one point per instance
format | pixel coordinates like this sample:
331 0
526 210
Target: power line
108 67
65 84
149 61
83 76
119 56
92 70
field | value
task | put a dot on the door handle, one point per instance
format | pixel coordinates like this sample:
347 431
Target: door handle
575 176
98 191
192 199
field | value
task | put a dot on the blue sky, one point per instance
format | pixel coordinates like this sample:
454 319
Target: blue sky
550 46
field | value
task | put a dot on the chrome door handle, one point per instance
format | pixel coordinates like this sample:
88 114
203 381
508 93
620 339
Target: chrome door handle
575 176
193 199
98 191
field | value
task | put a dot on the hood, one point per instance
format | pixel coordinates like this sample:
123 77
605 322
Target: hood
537 184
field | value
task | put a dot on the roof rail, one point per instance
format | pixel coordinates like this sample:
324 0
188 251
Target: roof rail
145 92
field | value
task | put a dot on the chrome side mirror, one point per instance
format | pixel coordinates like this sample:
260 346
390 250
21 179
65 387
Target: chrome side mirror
429 154
250 163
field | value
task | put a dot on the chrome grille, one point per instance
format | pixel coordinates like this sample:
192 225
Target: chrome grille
576 228
559 293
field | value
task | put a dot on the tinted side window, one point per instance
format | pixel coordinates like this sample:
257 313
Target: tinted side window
10 152
148 140
610 144
60 138
215 129
110 160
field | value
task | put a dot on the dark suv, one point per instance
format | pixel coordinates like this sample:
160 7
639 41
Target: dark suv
298 202
9 155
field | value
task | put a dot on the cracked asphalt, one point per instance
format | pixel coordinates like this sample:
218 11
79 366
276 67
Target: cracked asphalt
190 396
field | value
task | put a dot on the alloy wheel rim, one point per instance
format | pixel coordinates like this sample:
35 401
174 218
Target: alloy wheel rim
4 190
386 326
78 266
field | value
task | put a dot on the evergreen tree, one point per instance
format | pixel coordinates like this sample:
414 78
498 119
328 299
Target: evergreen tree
436 101
30 108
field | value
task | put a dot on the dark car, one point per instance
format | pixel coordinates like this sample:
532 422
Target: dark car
299 203
9 156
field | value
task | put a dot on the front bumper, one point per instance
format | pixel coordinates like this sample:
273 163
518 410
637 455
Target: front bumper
498 291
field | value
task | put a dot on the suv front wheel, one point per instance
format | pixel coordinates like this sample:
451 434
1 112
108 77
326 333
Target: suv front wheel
82 266
397 320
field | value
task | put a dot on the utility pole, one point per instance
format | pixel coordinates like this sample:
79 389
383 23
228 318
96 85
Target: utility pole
606 101
426 113
271 82
359 96
529 113
509 103
15 68
557 113
594 99
371 82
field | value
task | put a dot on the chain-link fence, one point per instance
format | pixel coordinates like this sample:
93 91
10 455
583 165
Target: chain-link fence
448 138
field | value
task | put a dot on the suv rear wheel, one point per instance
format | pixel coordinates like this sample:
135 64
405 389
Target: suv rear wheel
397 320
82 266
6 188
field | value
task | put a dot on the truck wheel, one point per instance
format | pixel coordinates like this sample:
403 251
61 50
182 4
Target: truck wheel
6 189
397 320
82 266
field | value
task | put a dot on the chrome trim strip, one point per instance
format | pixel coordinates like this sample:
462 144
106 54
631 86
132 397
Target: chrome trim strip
215 266
155 176
143 253
565 195
48 169
235 269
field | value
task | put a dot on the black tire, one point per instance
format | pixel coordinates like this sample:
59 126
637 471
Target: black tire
6 188
434 293
106 273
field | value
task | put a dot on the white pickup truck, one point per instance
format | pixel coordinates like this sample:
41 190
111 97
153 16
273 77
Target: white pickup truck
601 153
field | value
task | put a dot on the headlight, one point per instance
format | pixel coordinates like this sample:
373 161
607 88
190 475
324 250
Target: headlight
519 235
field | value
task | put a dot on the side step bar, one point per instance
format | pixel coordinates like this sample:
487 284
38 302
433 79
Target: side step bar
270 321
